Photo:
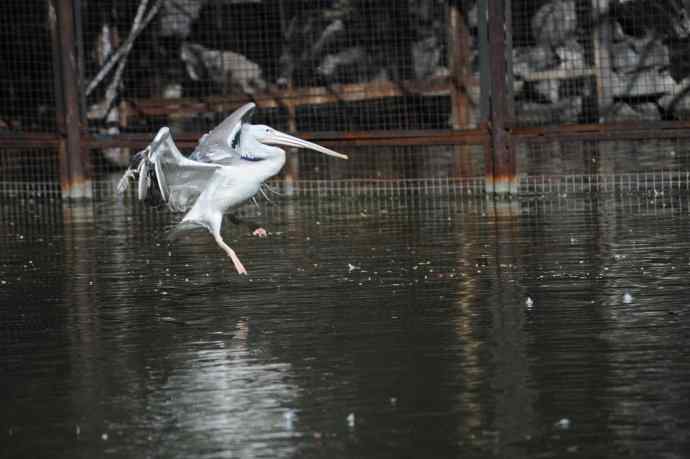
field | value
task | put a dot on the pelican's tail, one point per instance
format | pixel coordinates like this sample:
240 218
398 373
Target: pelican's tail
185 226
142 171
132 172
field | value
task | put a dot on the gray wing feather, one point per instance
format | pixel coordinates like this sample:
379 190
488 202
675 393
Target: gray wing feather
181 180
218 145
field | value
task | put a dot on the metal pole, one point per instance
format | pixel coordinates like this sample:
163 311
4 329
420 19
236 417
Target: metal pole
504 177
485 91
602 56
74 180
292 169
458 59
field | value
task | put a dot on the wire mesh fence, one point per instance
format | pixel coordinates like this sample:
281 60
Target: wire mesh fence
27 91
347 68
600 60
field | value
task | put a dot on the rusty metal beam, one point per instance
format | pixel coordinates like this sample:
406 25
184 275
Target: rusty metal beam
74 180
29 140
634 130
479 136
357 138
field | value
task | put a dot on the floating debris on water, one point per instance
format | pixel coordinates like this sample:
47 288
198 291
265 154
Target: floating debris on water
351 420
104 436
529 302
289 417
627 298
351 267
563 423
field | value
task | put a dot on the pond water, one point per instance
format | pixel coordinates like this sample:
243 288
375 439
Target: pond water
416 327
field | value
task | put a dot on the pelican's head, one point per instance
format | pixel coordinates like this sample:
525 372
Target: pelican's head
257 140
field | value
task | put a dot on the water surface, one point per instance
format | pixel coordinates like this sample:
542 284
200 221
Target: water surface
419 327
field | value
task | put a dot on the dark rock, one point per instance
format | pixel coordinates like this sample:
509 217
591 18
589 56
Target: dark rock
563 111
621 111
633 54
555 22
645 83
176 17
571 55
230 71
533 59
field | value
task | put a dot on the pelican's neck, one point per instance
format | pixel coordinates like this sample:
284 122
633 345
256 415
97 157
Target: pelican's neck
269 166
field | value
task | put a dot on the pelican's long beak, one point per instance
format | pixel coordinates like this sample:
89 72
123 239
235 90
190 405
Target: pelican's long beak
280 138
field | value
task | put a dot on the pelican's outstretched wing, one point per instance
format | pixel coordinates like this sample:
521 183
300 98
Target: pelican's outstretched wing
220 146
181 180
161 168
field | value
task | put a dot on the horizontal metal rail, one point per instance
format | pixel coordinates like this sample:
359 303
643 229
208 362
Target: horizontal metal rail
479 136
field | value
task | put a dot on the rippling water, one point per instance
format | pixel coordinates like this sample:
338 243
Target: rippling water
417 328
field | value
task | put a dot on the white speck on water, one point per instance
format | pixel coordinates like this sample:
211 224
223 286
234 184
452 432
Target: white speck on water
351 420
572 240
529 303
351 267
170 253
627 298
394 401
77 429
289 417
563 423
104 436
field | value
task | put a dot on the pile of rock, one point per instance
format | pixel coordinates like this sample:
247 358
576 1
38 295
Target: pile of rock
629 56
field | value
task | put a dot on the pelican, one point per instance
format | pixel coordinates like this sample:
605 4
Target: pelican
226 169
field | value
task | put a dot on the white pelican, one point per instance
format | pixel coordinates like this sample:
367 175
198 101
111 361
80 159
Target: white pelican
226 169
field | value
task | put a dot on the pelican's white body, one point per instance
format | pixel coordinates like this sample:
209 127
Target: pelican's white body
230 187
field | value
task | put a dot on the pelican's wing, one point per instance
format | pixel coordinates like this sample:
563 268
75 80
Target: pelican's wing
181 180
220 145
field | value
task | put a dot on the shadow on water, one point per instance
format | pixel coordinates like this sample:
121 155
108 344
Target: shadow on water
420 327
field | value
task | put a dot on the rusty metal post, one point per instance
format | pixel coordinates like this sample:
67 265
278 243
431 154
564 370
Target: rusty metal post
485 91
459 59
74 180
502 178
601 41
292 160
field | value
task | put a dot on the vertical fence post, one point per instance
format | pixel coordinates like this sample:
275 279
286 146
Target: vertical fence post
501 172
602 56
74 179
485 91
459 58
292 161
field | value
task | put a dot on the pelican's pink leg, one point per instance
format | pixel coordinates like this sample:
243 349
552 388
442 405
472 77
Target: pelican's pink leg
231 253
260 232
